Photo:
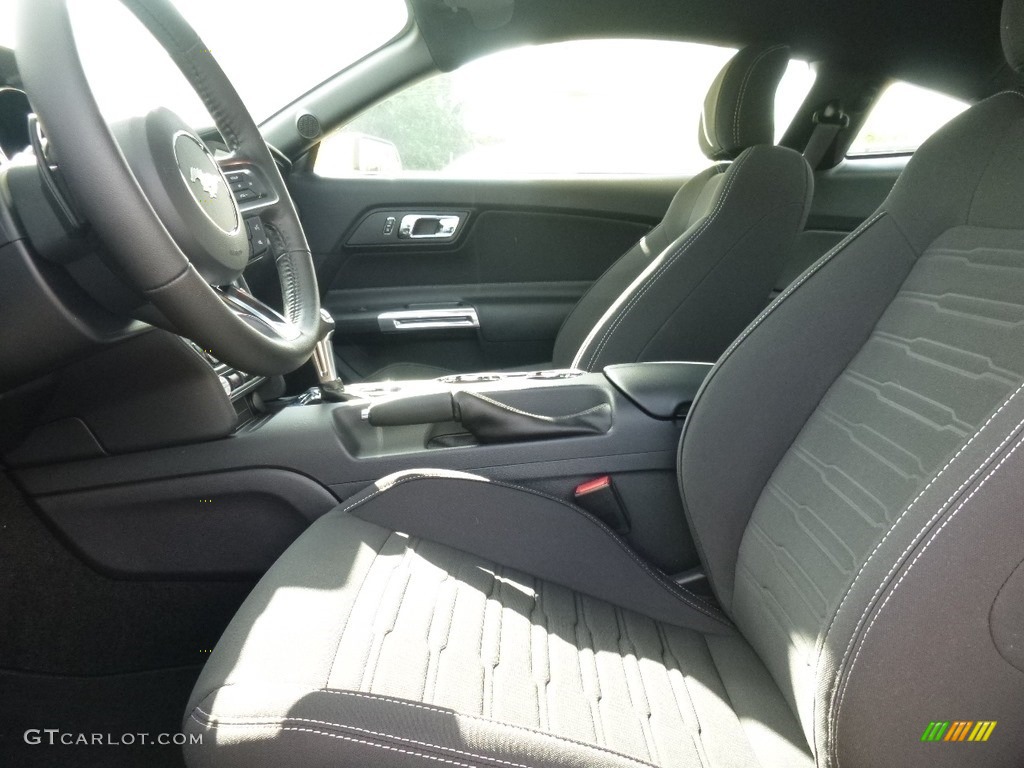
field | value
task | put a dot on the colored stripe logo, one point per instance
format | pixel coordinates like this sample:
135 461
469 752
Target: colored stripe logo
958 730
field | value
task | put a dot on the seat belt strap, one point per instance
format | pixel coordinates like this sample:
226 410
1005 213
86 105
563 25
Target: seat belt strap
828 122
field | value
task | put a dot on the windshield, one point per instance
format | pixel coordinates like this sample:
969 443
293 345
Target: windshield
272 50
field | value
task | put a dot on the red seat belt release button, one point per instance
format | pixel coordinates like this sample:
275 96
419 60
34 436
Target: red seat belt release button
592 485
599 498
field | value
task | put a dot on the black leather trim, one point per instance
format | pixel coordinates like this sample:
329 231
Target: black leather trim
490 420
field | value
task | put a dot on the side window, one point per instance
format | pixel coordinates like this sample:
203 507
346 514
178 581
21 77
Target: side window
565 109
902 119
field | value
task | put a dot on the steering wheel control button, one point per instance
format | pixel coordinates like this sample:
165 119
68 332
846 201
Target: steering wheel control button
258 241
246 185
240 184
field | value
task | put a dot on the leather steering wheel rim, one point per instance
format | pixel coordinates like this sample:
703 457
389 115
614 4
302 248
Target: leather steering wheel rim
109 194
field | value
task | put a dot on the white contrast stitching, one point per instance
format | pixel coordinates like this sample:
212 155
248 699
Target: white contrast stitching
439 710
832 718
716 170
578 359
743 90
811 271
359 502
397 478
672 589
648 281
387 747
913 543
931 538
541 417
352 739
366 731
449 712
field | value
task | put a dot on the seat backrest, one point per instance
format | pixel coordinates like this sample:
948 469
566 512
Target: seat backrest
695 280
851 469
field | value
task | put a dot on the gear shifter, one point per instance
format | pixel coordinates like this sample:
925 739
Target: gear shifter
331 387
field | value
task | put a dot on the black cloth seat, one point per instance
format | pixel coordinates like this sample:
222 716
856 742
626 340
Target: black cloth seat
408 639
851 474
694 281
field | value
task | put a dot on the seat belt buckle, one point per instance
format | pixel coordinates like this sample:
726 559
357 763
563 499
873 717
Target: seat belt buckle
600 498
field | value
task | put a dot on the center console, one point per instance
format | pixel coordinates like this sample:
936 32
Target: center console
613 434
514 407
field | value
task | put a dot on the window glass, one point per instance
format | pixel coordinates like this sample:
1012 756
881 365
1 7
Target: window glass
582 107
903 118
272 58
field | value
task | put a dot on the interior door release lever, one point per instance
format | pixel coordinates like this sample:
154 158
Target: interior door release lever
429 226
428 319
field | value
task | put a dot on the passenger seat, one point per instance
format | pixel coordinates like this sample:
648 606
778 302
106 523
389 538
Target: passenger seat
694 282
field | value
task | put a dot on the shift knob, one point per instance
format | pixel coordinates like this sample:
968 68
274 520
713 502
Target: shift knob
323 352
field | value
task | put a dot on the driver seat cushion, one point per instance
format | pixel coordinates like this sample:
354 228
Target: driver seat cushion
398 650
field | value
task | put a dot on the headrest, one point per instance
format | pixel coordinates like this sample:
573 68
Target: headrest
1013 33
739 110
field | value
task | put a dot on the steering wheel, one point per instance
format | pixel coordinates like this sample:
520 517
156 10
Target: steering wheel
160 201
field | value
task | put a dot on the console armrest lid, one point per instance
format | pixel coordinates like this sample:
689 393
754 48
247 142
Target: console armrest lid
661 390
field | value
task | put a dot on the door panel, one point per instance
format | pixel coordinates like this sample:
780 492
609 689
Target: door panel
518 323
523 254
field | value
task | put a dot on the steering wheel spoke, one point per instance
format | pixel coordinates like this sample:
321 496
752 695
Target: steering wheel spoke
257 314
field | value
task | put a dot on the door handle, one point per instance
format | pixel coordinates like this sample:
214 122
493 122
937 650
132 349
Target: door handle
429 226
428 319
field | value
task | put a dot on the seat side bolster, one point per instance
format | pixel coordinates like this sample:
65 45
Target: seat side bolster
529 531
749 417
292 609
606 289
721 267
918 636
253 724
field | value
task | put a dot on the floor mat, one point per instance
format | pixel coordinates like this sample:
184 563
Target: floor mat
82 722
78 650
62 617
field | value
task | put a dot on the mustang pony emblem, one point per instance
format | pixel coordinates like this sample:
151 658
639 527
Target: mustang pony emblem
210 181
